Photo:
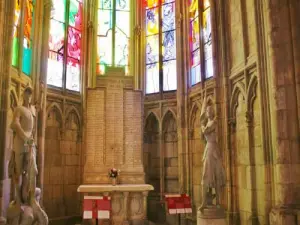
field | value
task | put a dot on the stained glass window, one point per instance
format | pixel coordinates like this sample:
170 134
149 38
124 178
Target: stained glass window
161 74
65 44
22 51
200 45
113 35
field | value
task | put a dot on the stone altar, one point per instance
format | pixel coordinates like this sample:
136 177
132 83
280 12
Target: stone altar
129 201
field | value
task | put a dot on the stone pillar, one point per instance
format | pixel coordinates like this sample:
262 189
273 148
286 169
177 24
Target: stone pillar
182 130
43 78
6 25
282 52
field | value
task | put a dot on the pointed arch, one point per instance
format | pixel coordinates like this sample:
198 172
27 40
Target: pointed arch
192 114
169 110
237 90
54 106
70 111
251 93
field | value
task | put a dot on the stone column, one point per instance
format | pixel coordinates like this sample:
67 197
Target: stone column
6 25
282 51
43 78
145 195
125 208
182 131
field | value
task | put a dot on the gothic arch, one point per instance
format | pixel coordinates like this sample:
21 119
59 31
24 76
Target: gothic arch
237 90
169 110
72 110
193 113
251 93
55 106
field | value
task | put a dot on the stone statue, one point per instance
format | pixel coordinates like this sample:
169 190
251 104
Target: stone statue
213 175
25 209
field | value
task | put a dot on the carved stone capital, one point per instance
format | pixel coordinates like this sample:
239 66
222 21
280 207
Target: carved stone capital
138 30
90 25
232 122
249 117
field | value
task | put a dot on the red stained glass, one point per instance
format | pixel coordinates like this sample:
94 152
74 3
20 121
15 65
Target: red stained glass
74 40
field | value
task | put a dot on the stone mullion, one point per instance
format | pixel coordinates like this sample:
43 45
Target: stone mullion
43 78
181 99
250 127
286 126
91 43
6 16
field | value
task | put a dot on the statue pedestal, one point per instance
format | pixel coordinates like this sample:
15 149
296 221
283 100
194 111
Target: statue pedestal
211 216
128 201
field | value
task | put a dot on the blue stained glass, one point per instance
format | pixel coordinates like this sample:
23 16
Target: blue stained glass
195 74
168 17
123 5
152 21
105 4
169 46
152 51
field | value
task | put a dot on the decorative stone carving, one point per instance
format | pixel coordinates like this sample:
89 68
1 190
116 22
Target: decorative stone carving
213 176
25 209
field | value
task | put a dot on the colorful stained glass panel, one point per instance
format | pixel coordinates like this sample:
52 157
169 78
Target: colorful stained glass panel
195 34
152 78
151 3
206 3
16 42
152 21
105 49
73 74
74 40
168 17
196 57
123 5
169 46
58 11
169 75
75 14
105 4
206 26
104 21
57 36
121 48
27 41
152 49
194 9
55 69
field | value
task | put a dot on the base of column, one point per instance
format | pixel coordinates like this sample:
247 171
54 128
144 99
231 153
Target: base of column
211 216
2 221
284 216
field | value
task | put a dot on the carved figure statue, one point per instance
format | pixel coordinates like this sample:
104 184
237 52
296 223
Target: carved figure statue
25 209
213 172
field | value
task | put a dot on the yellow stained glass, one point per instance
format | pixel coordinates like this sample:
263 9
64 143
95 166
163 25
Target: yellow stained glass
206 4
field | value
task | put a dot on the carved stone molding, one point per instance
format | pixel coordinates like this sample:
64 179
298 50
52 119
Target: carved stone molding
179 21
138 30
232 124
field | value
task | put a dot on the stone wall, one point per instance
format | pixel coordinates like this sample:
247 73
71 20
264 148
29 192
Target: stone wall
63 167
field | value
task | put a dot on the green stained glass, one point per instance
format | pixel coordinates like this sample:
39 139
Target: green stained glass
75 14
27 41
16 41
